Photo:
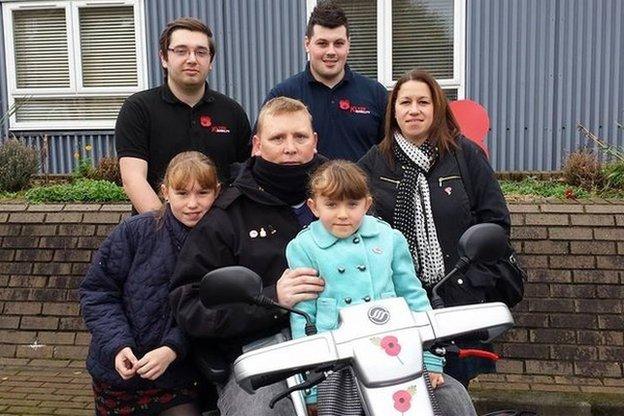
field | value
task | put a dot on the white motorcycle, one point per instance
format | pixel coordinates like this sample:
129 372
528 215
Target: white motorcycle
382 341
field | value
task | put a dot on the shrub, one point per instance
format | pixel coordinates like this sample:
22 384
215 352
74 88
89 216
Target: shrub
107 170
81 190
18 163
582 168
614 175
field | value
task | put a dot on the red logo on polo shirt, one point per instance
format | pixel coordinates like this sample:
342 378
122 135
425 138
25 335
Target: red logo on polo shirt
205 121
346 105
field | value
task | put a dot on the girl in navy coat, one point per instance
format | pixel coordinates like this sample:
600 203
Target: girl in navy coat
361 259
138 357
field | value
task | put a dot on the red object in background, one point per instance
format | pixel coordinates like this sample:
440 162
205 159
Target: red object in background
473 121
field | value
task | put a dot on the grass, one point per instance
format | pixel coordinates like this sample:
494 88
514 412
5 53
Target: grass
89 190
553 188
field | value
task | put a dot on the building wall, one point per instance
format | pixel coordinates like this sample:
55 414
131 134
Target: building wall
540 67
553 63
258 43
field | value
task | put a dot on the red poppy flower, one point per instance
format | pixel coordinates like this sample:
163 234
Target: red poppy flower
391 345
205 121
344 104
402 399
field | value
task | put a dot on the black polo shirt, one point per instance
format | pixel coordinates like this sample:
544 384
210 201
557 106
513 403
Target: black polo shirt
348 118
154 125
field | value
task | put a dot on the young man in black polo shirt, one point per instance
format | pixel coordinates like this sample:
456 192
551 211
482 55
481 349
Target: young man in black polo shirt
347 108
182 114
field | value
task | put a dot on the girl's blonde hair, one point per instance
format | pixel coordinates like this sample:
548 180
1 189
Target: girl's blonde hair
339 180
185 168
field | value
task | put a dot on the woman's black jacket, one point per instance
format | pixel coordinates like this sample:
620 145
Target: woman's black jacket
451 206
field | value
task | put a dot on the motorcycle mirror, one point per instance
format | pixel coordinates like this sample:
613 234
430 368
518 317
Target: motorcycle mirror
484 242
229 285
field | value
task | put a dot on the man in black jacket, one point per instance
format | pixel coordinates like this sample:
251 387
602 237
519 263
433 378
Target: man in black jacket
250 225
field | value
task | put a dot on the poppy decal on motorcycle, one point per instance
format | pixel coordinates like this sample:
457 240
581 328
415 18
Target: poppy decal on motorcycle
402 399
390 344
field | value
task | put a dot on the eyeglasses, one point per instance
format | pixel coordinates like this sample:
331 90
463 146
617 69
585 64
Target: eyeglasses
184 52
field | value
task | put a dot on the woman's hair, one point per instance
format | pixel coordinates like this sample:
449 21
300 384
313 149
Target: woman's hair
444 128
339 179
187 167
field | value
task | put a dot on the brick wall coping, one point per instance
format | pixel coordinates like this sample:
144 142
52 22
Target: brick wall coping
516 203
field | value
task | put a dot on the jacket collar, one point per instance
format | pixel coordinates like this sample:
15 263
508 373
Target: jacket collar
169 97
325 239
177 230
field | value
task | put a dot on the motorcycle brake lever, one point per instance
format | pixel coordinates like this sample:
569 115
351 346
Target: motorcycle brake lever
314 378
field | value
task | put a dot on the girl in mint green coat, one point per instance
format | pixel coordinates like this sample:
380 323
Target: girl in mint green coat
360 258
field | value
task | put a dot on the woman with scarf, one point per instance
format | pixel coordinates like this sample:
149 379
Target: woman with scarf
416 179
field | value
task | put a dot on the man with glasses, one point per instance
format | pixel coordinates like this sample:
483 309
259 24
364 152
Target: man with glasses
182 114
348 108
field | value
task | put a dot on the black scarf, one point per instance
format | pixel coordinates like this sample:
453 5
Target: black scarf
288 183
412 213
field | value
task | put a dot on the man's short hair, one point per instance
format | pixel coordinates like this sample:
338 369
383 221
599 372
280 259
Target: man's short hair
187 23
278 106
327 14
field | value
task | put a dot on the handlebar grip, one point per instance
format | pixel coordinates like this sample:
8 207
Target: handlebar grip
478 353
268 379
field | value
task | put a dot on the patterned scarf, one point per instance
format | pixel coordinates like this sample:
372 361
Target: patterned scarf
412 212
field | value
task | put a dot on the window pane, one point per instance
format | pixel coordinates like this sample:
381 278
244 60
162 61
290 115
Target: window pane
451 94
362 16
40 45
61 109
108 47
422 37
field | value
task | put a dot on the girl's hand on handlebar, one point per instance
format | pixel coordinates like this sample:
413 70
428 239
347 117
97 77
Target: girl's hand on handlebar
436 379
154 363
125 363
297 285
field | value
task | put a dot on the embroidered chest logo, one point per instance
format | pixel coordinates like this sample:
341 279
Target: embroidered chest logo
448 190
346 105
205 121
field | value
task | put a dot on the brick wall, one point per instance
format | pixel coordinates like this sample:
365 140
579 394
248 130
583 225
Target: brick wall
45 251
570 326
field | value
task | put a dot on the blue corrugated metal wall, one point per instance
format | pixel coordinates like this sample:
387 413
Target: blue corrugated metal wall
4 129
259 43
540 67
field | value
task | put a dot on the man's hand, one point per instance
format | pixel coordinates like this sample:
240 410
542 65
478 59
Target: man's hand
297 285
154 363
436 379
125 362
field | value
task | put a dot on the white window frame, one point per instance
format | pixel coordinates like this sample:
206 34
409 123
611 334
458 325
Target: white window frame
75 89
384 45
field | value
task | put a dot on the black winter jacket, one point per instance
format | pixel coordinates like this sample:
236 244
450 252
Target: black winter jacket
451 208
124 300
247 227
